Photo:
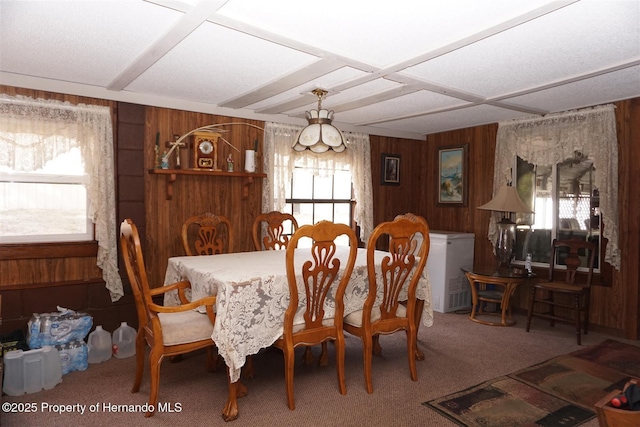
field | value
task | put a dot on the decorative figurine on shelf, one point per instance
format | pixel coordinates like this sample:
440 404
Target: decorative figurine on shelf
230 162
165 161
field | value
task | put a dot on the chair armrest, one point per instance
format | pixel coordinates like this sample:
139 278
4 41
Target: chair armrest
207 301
172 287
179 286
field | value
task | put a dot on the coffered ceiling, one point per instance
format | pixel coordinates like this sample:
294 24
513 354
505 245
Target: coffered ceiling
403 68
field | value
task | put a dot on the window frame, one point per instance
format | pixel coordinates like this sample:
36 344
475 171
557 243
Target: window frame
555 228
49 178
290 201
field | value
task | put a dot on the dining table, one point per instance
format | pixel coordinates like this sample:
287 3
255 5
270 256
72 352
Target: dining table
252 295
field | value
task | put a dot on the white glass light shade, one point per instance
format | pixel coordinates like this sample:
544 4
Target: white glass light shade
320 135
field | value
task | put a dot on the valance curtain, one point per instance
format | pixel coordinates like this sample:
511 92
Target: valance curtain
61 126
280 160
551 139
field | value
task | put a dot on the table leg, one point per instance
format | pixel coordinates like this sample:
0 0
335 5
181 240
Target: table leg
236 390
418 314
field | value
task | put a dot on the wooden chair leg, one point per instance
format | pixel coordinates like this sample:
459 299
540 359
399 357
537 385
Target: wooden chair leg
247 369
213 359
411 345
552 312
368 350
586 313
324 355
578 317
308 357
140 348
289 361
531 304
155 359
339 343
377 348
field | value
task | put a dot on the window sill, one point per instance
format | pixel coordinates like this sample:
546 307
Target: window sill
48 250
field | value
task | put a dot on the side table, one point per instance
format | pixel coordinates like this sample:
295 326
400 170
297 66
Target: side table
504 284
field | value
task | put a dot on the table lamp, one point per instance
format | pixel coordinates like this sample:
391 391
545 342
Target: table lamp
506 201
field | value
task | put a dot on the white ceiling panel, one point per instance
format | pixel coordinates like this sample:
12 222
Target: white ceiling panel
328 80
403 106
366 31
606 88
204 65
402 69
474 116
76 41
572 41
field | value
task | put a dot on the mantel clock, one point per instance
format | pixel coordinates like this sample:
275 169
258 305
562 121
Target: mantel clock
205 150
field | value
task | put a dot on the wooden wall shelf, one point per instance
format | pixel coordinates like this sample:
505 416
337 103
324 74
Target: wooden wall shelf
172 175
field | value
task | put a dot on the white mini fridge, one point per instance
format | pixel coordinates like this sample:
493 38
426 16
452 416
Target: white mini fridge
449 253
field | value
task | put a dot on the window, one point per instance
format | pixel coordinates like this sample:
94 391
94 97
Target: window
57 168
566 205
316 198
46 205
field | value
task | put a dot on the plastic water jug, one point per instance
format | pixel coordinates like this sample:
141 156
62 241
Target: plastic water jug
31 371
99 345
124 341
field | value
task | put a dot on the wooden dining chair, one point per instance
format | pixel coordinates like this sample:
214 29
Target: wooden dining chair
401 268
322 274
168 331
275 237
568 295
207 234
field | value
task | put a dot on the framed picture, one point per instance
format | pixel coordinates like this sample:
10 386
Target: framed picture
452 176
390 169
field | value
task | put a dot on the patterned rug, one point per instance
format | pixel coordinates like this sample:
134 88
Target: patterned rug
558 392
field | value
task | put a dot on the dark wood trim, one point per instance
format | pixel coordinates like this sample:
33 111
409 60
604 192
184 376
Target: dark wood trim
90 281
48 250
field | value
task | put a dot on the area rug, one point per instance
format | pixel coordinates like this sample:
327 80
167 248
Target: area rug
558 392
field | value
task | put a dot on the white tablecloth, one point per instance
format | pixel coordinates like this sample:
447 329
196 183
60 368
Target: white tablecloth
253 294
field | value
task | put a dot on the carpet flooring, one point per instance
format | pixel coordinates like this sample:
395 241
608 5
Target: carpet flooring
558 392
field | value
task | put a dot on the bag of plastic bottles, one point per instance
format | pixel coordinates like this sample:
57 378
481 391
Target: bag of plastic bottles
59 327
73 356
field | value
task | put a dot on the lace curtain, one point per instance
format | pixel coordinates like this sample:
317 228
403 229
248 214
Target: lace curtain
280 159
553 138
61 126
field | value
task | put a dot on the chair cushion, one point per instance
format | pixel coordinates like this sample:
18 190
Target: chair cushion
185 327
355 318
297 327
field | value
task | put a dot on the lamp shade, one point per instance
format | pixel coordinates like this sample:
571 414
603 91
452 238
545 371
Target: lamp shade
507 200
320 135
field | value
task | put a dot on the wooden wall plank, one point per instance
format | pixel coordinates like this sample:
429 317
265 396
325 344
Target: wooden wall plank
615 307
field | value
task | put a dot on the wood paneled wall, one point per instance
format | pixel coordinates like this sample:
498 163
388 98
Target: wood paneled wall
192 194
615 307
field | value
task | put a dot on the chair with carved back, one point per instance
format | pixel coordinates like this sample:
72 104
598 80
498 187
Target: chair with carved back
315 273
168 331
275 236
401 268
207 234
567 294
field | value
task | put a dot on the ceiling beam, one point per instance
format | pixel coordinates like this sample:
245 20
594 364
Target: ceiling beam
184 26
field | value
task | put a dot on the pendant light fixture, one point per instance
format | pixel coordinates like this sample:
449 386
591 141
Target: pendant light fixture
320 135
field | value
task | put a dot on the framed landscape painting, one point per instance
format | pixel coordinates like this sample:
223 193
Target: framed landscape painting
452 176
